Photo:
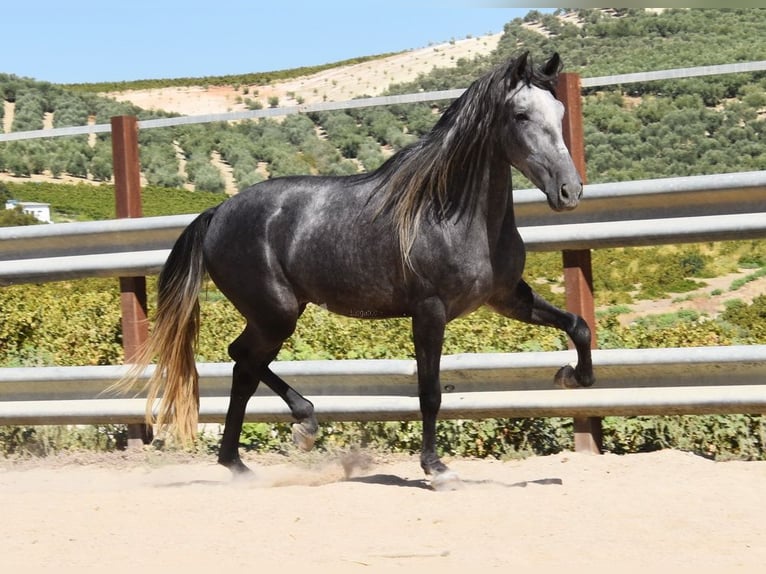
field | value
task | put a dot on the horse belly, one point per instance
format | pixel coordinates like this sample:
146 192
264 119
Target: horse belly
350 276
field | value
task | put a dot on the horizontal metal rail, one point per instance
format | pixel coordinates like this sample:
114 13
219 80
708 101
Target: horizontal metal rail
637 213
728 193
595 402
539 238
661 198
695 380
673 74
91 237
645 232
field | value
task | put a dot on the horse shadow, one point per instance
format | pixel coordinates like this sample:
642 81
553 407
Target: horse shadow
182 483
393 480
387 480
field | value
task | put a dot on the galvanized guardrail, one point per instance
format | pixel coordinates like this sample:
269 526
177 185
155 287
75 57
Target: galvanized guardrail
630 382
651 212
695 380
648 212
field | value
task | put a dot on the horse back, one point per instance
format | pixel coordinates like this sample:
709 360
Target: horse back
319 237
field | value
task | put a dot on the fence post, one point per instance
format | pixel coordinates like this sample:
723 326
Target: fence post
127 187
578 273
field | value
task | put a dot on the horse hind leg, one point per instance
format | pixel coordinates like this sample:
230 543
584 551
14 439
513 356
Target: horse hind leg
243 386
252 354
305 429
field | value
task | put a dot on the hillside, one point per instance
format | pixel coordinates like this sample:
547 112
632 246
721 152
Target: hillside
369 78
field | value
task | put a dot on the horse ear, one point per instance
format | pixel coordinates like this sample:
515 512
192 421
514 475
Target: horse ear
518 68
553 66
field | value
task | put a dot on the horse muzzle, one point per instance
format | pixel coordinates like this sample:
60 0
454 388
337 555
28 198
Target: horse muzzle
566 197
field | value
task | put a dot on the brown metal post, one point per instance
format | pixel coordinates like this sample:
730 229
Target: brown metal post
578 273
127 183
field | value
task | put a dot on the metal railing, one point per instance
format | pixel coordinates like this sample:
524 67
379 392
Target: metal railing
699 380
650 212
647 381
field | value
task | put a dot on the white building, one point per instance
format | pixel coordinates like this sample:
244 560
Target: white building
41 211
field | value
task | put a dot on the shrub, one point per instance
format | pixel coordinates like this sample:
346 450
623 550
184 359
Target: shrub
47 440
720 437
206 177
100 166
65 323
15 217
751 318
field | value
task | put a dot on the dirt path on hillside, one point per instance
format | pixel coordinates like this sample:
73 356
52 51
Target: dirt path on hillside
9 109
338 84
665 511
709 300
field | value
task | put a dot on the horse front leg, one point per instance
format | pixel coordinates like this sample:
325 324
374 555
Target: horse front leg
525 305
428 324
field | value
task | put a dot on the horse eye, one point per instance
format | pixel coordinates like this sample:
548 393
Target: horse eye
521 117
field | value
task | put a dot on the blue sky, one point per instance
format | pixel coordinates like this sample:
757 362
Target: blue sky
102 40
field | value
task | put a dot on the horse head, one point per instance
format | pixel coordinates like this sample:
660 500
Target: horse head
533 132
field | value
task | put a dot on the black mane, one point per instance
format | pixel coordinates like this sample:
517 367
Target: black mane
441 175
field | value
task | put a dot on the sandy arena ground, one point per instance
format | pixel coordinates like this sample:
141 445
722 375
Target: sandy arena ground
661 512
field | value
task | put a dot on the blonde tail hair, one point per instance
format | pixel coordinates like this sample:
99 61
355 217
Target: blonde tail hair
173 340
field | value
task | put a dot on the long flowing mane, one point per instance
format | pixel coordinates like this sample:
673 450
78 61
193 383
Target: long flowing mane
441 175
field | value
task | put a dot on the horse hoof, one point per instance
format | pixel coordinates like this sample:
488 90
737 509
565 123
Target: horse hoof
566 379
242 476
445 481
303 438
240 472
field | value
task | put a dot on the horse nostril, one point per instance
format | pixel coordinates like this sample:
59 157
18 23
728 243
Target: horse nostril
569 192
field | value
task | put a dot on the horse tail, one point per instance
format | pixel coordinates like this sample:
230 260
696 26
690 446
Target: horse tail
175 335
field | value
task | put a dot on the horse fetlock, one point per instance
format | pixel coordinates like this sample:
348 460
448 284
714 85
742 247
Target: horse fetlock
306 416
584 378
441 477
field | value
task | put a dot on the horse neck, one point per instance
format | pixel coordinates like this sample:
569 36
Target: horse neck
497 200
